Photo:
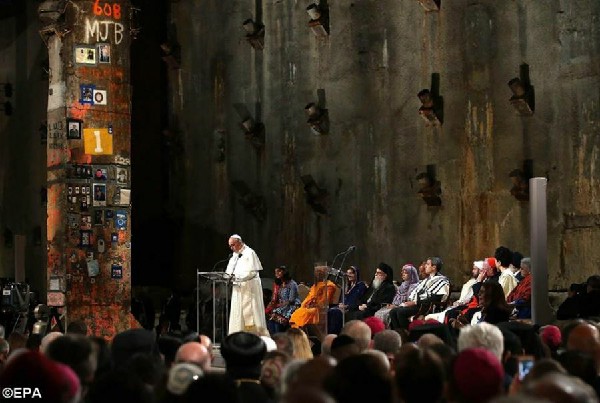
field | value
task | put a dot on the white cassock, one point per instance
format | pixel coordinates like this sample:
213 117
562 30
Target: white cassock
247 306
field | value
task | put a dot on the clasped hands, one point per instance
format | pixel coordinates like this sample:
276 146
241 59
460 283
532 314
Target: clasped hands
311 304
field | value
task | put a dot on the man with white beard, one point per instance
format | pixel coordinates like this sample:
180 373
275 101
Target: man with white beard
381 292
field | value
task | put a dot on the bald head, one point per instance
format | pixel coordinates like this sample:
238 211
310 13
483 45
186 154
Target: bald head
326 344
561 388
585 338
359 331
206 342
308 394
194 353
428 340
47 339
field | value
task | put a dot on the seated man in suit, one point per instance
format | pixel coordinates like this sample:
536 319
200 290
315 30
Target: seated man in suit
433 289
381 291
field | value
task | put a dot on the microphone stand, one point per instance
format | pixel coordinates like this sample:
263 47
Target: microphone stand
344 281
221 261
350 249
335 258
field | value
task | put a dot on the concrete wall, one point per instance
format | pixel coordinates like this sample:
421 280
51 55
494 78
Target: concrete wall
22 153
379 55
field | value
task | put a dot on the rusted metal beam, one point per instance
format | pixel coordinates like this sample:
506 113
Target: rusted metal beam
88 160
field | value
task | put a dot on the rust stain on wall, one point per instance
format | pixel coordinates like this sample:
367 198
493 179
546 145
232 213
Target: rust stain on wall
478 232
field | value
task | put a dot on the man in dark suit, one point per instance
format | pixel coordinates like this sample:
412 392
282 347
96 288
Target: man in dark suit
380 292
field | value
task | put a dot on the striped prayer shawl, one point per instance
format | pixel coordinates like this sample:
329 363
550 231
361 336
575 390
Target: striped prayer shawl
428 287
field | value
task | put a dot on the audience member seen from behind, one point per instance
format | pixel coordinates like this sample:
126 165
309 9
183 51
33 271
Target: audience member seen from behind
360 378
300 343
482 335
477 376
76 351
272 370
360 332
243 353
419 376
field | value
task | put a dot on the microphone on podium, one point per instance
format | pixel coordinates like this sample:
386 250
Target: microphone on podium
221 261
339 271
344 253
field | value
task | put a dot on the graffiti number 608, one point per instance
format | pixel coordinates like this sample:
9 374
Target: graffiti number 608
108 10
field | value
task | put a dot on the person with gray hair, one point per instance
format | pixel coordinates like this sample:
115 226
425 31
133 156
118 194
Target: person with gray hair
381 357
359 331
289 374
482 335
520 296
284 343
326 344
558 387
388 342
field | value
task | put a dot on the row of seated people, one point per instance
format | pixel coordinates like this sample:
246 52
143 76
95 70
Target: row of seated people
415 296
499 289
382 298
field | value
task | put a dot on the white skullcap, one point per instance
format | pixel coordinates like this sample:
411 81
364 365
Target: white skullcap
47 339
236 236
478 264
270 343
180 377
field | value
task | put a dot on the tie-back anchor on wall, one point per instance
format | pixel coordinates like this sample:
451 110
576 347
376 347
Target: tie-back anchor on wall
319 18
431 5
252 202
252 127
523 99
255 33
520 180
432 103
430 189
318 116
316 197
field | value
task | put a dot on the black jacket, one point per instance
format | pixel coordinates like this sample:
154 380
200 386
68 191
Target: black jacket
383 295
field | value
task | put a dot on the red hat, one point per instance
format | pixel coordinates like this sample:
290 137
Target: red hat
44 377
375 324
478 375
491 261
551 336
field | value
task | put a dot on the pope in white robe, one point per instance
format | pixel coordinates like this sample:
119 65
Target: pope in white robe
247 306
